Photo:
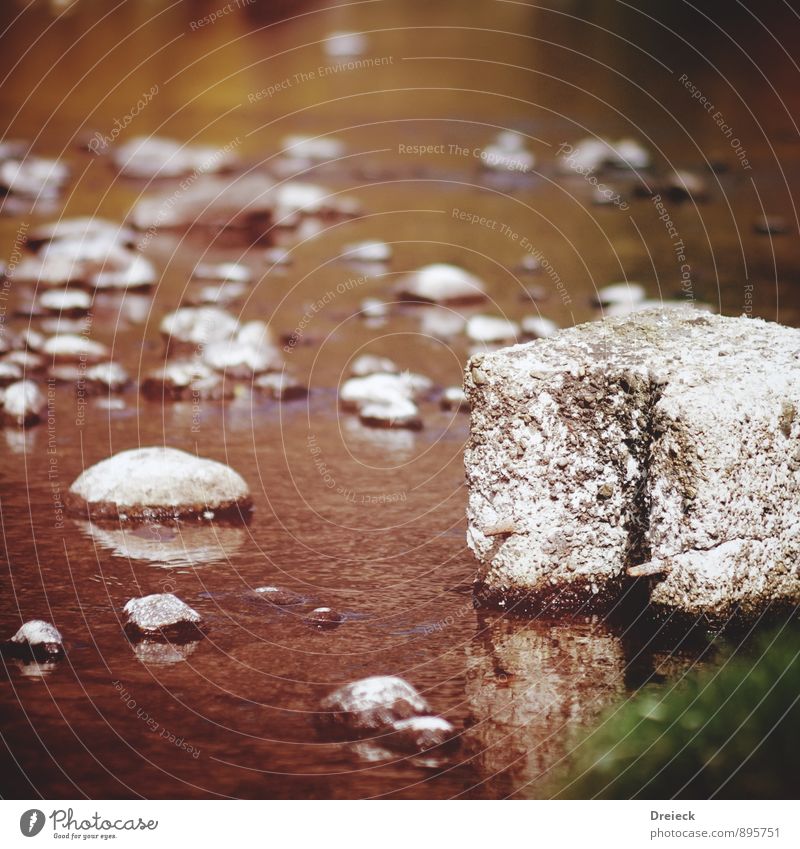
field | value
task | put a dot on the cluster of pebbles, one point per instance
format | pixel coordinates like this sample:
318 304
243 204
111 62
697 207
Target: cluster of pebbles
157 483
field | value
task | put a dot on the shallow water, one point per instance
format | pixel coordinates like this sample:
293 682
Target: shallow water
366 521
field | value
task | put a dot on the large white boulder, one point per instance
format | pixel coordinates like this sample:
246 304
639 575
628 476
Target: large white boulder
662 446
158 482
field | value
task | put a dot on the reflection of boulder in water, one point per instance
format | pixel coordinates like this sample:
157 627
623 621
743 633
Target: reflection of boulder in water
163 654
169 543
530 685
34 668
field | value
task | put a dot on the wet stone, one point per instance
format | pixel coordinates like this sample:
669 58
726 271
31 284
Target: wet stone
372 704
278 596
23 403
36 639
397 412
159 483
454 398
324 617
69 346
491 329
420 733
537 327
280 386
104 378
162 616
620 294
442 283
372 364
68 301
146 157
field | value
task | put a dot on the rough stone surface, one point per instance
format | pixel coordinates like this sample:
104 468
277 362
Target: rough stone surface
161 616
663 446
373 704
158 482
38 639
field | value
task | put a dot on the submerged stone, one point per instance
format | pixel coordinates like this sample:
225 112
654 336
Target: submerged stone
158 483
372 704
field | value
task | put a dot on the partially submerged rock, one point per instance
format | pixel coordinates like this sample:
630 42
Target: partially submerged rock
420 733
663 446
198 326
454 398
36 639
162 616
181 380
23 403
394 412
372 364
324 617
147 157
70 346
538 327
369 251
442 283
372 704
158 483
491 329
278 596
280 386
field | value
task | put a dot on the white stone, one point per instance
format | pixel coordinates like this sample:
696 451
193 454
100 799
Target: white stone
420 733
40 636
341 44
454 398
70 346
109 375
381 389
160 615
663 445
538 327
491 329
442 283
620 294
150 156
34 177
137 273
394 412
68 300
373 704
226 271
314 148
157 482
23 402
370 250
372 364
199 325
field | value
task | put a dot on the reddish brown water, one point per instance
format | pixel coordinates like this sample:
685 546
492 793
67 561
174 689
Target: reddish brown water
379 531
